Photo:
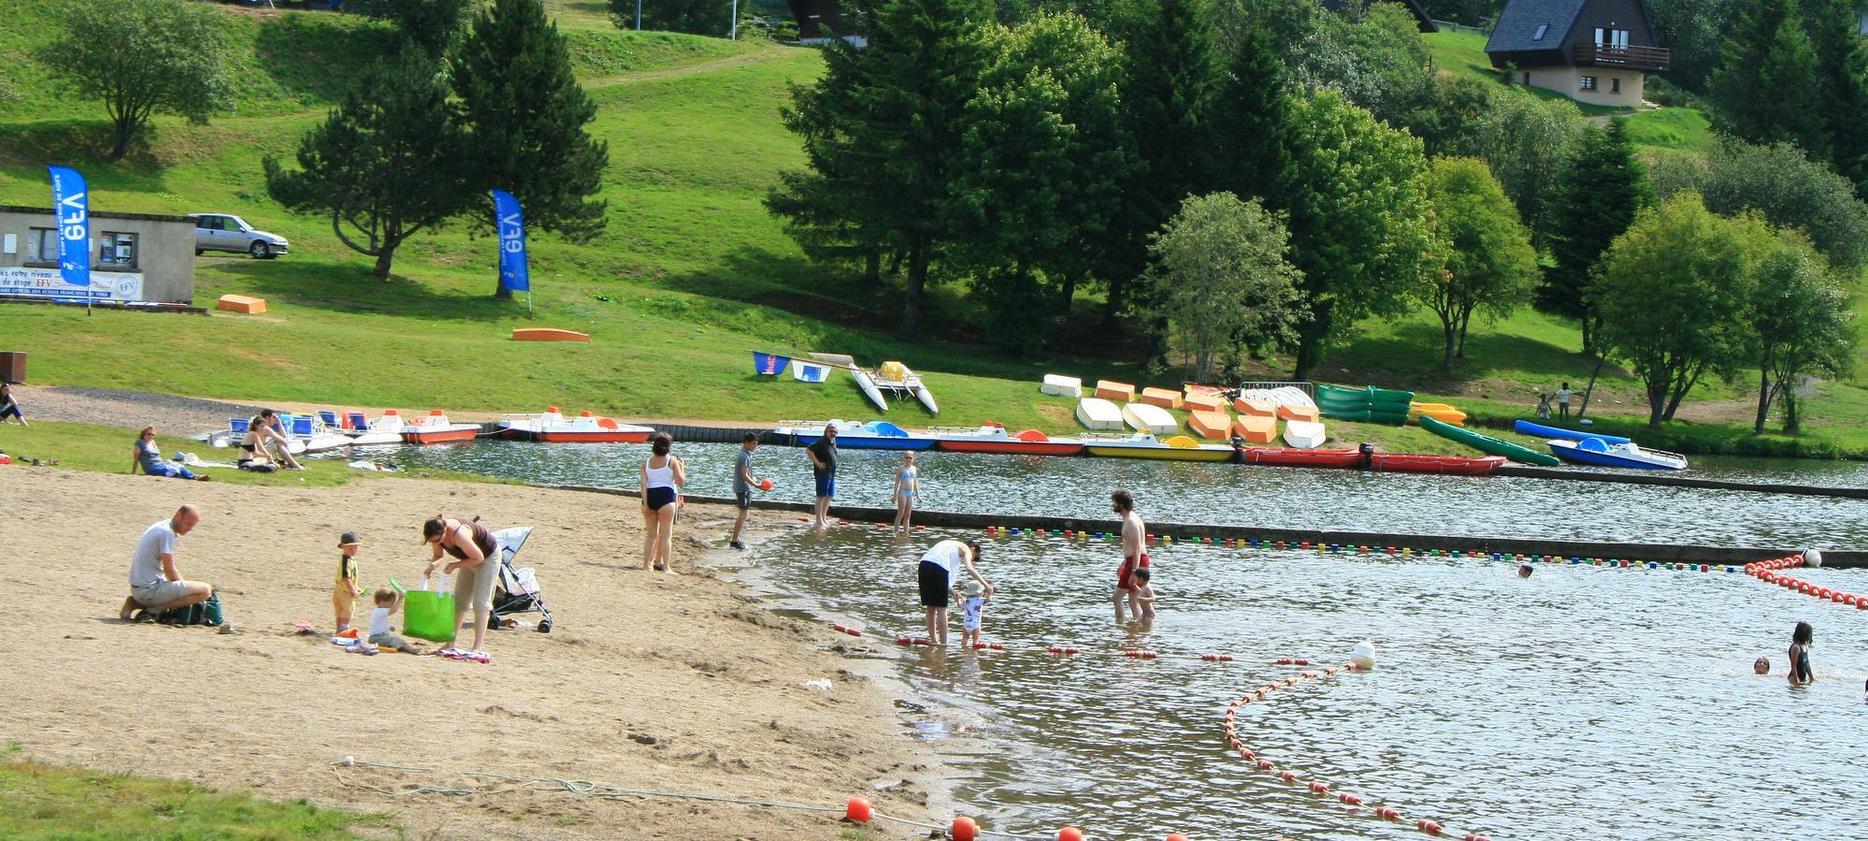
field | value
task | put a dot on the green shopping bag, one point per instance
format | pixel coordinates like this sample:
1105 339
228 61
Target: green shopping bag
429 614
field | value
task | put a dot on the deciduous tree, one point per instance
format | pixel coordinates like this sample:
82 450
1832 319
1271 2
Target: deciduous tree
1530 143
141 58
1785 185
1802 324
1486 253
1221 276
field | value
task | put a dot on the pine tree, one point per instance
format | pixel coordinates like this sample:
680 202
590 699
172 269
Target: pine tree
829 207
1842 62
1596 201
1767 87
524 114
1250 138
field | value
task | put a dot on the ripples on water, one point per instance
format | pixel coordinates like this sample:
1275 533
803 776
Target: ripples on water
1229 494
1582 702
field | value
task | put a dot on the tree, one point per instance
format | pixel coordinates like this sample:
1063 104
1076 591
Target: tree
1595 202
384 165
1767 88
1693 30
1802 326
697 17
1358 209
1041 165
1529 143
1376 60
1220 274
1489 262
1842 62
1250 135
141 58
1782 183
1173 75
524 116
1674 290
832 209
434 26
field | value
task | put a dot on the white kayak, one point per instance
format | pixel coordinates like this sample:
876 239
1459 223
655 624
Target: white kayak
1304 435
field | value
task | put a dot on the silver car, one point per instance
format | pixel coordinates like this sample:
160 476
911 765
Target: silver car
227 232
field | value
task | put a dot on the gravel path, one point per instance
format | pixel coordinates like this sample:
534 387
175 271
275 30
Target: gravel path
171 415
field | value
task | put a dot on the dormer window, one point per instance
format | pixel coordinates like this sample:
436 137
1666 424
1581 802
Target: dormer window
1541 29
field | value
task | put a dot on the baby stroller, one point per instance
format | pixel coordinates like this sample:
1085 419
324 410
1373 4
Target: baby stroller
517 590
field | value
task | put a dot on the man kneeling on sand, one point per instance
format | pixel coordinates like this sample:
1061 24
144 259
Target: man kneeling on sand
155 585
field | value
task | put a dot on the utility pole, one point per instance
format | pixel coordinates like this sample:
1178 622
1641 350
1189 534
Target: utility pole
638 15
732 32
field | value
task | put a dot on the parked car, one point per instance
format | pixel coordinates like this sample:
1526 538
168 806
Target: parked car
227 232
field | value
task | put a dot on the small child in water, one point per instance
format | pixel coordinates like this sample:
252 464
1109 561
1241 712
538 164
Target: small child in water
1524 570
387 602
973 609
1761 666
1144 593
344 592
1800 639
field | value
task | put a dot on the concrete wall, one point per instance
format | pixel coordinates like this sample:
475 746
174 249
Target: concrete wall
1568 81
165 262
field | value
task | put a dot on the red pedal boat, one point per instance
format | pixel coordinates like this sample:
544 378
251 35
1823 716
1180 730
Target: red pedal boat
992 438
435 429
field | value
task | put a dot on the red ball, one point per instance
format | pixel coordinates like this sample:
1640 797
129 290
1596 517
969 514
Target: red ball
1070 833
858 810
964 829
1177 837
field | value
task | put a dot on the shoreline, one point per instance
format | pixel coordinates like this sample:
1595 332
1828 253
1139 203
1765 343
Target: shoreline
685 682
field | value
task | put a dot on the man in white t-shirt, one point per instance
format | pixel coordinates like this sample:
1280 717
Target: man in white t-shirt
155 585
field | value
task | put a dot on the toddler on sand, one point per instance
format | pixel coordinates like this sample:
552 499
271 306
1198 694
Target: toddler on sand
344 593
387 602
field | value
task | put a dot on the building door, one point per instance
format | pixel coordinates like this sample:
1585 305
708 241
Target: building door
1611 37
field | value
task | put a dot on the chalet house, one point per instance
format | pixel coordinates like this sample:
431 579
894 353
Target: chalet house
1593 51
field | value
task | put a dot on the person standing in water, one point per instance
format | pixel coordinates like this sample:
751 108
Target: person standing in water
743 483
1134 551
940 567
907 487
823 457
1800 672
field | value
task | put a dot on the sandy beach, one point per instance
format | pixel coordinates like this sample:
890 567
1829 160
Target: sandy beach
676 682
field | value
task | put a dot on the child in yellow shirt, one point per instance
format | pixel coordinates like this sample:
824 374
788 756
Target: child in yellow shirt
344 593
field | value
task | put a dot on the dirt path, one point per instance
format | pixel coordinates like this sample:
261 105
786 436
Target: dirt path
673 682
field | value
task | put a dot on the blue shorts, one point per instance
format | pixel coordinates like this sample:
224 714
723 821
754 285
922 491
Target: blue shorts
827 486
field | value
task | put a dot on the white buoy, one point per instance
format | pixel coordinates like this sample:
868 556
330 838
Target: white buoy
1812 558
1363 655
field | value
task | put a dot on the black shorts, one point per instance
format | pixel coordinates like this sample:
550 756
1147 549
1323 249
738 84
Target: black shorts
743 499
934 584
659 498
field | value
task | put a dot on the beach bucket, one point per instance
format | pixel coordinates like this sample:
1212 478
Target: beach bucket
429 614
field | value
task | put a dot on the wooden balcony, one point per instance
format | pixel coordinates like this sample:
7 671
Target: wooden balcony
1652 59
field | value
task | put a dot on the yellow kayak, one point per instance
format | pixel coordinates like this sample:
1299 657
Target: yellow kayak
1176 448
1438 411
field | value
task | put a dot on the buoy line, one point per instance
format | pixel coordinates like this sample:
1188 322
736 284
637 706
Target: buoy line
1767 572
1316 787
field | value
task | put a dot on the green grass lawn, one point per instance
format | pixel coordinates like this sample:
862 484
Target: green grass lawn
54 803
691 276
1671 129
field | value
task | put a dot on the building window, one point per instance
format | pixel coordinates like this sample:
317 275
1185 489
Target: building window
42 247
116 252
1541 29
1527 77
1588 83
1615 84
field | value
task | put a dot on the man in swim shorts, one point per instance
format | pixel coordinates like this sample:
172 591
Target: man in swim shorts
1134 551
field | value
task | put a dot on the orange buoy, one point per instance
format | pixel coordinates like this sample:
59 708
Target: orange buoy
964 829
1349 799
1319 787
1070 833
858 811
1428 826
1177 837
1386 813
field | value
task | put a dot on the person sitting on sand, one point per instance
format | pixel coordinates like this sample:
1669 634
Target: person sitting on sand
264 437
155 584
1761 666
9 407
1800 672
148 456
381 635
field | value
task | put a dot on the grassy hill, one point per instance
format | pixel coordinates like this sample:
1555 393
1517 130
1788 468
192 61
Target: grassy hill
691 275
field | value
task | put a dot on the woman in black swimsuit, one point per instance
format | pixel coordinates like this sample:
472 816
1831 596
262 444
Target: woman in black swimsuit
662 477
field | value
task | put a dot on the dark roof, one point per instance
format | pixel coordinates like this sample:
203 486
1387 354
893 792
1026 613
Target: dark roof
1421 18
1520 19
100 214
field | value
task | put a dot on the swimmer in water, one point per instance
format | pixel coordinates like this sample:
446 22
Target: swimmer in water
1761 666
1524 570
1800 639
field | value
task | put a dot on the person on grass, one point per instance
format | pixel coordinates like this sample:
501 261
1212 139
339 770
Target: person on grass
662 476
265 443
9 407
155 584
148 456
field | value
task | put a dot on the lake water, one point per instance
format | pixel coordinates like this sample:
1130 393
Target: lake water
1233 494
1581 702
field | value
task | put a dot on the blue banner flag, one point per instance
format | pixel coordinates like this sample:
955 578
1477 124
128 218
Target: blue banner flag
72 212
512 270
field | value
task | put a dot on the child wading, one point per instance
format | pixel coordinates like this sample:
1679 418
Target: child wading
1144 593
344 592
1800 639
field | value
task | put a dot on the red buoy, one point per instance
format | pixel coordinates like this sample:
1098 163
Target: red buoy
1319 787
1349 799
1386 813
1428 826
1289 776
1266 765
858 811
1070 833
964 829
1177 837
903 641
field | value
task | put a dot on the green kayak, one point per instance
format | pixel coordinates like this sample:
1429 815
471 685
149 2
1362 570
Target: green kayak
1488 444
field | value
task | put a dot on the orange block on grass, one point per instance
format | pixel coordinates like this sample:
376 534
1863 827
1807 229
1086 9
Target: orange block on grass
1256 429
1115 392
1198 401
241 303
1162 397
1298 413
1213 426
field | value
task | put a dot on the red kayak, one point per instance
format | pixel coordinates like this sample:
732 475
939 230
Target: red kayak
1410 463
993 439
1292 457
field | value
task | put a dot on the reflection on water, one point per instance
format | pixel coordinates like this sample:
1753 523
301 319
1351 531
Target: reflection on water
1233 495
1582 702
